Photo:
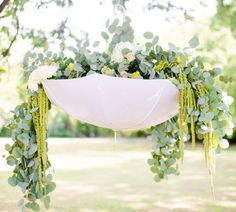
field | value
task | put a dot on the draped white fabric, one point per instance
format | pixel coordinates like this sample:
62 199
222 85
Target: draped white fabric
113 102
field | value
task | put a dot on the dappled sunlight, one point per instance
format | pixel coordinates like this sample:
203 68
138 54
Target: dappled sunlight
121 178
180 205
118 106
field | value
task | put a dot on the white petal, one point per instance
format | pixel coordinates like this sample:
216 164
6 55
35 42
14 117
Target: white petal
41 73
224 144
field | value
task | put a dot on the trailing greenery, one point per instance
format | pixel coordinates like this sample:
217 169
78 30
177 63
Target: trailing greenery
203 108
28 153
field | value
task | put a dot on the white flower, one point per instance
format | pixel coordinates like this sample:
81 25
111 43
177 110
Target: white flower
41 73
224 144
117 54
228 100
229 131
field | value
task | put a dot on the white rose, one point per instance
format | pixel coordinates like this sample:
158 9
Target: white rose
41 73
117 54
228 100
224 144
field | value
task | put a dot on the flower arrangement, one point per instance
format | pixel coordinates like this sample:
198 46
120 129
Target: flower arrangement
203 107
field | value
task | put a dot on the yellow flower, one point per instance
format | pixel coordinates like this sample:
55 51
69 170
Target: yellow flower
106 70
71 67
186 58
136 74
160 66
178 60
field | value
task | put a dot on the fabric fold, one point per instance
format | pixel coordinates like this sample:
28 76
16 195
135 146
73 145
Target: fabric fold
113 102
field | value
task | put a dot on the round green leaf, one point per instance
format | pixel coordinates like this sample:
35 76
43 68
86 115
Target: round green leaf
157 178
11 161
12 180
95 44
8 147
148 35
194 42
175 69
50 187
105 36
17 152
32 205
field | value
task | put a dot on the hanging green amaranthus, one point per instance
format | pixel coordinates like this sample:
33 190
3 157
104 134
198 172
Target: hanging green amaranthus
40 118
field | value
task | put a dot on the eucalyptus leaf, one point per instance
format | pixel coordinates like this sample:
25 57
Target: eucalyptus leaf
50 187
157 178
125 51
8 147
24 138
28 117
12 180
95 44
31 197
172 47
105 36
17 152
148 35
30 164
175 69
32 149
217 71
155 40
11 161
33 205
194 42
46 201
23 185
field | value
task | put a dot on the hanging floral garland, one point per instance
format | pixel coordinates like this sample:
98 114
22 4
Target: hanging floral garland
203 107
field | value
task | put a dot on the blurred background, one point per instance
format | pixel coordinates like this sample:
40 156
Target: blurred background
28 26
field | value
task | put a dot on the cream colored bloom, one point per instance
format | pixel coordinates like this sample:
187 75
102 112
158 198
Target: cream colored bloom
130 57
124 74
41 73
117 54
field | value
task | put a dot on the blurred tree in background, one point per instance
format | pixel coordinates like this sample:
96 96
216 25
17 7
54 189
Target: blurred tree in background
11 28
222 30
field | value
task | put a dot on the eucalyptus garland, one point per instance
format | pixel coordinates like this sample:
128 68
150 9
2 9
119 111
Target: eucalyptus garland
203 108
28 153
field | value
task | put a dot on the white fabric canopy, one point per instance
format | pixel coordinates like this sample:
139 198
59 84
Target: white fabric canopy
113 102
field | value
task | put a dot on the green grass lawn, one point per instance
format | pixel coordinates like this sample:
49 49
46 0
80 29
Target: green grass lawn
94 175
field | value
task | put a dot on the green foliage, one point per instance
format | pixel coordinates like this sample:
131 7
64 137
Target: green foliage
194 42
63 126
225 16
24 156
203 111
166 152
118 33
9 13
